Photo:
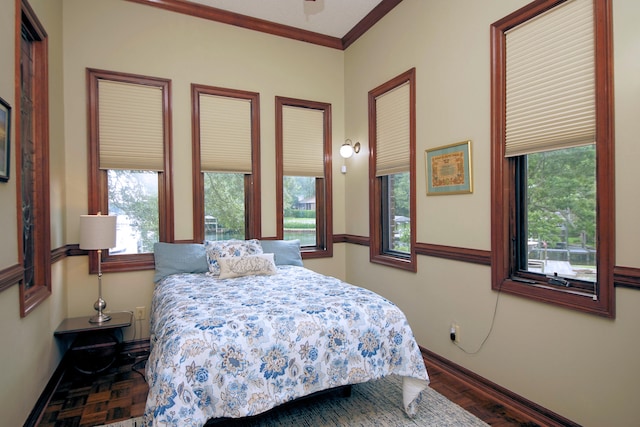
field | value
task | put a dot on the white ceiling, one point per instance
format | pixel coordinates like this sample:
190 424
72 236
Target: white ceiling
329 17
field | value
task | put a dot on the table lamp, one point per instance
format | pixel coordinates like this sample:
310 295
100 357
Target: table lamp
98 232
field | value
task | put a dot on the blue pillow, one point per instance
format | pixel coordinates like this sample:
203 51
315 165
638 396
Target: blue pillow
172 258
286 252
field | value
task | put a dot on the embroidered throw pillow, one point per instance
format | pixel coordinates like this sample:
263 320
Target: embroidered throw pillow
229 248
249 265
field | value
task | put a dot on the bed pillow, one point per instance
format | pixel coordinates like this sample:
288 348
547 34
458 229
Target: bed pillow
286 252
172 258
229 248
249 265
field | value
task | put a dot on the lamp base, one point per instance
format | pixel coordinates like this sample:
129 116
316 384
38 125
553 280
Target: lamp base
99 306
99 318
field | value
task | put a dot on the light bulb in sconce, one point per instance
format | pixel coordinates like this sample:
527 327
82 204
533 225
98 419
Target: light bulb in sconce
347 150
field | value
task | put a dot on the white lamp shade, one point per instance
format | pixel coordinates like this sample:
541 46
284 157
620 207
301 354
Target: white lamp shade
346 150
97 231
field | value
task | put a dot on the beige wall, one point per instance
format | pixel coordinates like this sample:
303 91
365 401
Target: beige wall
9 247
29 354
123 36
580 366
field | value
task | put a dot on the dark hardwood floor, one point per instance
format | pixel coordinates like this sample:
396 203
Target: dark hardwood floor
120 392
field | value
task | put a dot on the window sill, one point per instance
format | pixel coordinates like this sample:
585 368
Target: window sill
404 263
574 299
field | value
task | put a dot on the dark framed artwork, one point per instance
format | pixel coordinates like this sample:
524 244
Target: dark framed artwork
5 140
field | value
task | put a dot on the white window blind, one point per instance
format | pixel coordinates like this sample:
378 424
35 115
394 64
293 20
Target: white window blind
225 134
550 80
131 126
302 141
393 131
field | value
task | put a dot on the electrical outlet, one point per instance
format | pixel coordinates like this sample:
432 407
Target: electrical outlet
454 332
140 313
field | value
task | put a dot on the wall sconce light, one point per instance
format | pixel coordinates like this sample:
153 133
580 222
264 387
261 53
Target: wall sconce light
347 150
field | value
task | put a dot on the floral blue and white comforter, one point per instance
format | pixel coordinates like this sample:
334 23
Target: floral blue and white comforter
238 347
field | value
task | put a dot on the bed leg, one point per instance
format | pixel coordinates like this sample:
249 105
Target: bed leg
346 391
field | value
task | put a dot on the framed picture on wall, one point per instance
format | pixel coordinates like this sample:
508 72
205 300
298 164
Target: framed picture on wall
448 169
5 139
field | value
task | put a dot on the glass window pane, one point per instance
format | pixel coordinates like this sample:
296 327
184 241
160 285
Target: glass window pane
299 202
561 213
224 210
133 197
398 213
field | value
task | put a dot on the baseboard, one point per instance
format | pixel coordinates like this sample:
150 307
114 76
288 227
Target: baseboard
505 397
41 405
136 346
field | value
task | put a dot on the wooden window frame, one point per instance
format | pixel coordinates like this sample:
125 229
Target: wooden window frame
324 192
252 200
32 296
505 276
98 191
377 251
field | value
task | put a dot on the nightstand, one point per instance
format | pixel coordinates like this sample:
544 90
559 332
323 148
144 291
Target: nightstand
95 345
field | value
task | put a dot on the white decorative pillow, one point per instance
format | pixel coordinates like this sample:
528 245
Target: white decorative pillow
229 248
249 265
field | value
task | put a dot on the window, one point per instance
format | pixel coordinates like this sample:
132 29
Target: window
32 177
130 164
552 154
392 174
226 163
303 175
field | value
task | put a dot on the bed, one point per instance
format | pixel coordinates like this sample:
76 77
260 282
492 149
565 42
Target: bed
236 344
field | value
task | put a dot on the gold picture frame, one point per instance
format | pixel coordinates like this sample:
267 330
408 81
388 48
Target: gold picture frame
448 169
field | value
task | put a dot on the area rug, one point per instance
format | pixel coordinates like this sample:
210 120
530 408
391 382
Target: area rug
376 404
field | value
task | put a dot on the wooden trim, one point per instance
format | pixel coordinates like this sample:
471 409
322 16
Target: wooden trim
624 277
279 104
253 207
97 179
627 277
243 21
384 7
324 186
45 397
137 346
58 254
10 276
351 238
376 250
250 23
474 256
506 397
503 172
13 275
31 295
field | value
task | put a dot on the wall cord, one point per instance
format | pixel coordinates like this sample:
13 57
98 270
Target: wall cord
493 320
